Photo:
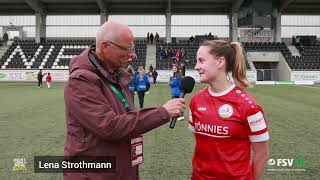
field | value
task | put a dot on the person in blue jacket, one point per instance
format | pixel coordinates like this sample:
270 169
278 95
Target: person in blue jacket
174 83
142 84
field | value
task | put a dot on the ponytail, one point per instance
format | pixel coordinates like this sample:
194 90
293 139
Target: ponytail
239 67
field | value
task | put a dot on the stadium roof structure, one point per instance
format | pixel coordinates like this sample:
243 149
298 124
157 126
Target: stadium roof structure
125 7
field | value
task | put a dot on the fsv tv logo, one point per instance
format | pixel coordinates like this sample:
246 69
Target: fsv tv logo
296 162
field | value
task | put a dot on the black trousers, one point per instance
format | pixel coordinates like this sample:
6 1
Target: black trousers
141 98
154 80
39 82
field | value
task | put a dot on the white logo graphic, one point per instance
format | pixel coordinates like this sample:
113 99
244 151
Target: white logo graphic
238 91
19 164
225 111
202 109
271 162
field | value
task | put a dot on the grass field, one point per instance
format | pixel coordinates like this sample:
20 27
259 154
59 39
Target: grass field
32 123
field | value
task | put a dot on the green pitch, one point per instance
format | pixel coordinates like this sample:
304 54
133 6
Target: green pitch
32 123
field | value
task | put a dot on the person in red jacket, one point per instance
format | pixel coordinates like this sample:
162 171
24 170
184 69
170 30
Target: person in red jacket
49 80
227 122
100 114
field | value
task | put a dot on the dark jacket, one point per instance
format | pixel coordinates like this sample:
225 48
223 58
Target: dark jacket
97 122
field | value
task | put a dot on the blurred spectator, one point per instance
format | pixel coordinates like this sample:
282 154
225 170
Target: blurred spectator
148 37
170 55
184 55
154 76
151 38
157 37
5 38
191 39
161 53
165 53
142 85
177 56
174 83
131 85
49 80
183 68
40 76
150 72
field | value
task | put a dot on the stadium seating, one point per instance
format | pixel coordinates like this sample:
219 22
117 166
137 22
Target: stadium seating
309 50
309 59
54 54
141 50
189 57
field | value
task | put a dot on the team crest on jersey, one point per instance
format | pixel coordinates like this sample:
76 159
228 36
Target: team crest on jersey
225 111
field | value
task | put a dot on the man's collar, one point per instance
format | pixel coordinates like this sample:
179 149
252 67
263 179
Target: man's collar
114 75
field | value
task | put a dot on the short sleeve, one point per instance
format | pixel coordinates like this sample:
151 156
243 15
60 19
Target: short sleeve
257 124
191 122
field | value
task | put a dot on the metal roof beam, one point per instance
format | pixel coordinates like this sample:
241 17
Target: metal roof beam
37 6
236 5
102 5
284 5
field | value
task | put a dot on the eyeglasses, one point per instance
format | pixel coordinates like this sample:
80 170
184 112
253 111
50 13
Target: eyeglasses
127 49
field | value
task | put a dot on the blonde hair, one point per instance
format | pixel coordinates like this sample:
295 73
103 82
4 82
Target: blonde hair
141 71
234 56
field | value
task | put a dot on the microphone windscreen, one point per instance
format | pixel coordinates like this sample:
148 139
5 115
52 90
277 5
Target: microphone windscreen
187 84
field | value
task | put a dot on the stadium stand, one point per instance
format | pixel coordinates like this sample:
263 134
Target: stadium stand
54 54
309 50
190 54
189 57
309 59
141 50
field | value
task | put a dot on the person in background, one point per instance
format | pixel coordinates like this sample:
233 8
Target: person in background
5 38
170 55
183 68
236 123
174 83
101 118
49 80
156 37
131 85
40 77
148 37
177 56
161 53
142 85
154 76
151 38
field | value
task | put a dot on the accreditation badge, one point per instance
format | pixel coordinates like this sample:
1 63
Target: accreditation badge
136 150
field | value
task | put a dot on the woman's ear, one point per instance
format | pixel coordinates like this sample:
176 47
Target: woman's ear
221 62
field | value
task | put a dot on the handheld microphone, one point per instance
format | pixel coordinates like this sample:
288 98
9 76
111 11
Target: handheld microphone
186 86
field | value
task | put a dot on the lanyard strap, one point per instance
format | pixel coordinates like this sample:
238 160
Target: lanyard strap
123 100
114 89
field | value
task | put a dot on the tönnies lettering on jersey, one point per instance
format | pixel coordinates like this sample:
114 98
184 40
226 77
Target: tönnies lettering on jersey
256 122
211 130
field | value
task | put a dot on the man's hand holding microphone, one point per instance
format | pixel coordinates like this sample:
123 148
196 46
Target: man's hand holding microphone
176 107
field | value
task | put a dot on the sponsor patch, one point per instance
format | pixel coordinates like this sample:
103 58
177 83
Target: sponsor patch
256 122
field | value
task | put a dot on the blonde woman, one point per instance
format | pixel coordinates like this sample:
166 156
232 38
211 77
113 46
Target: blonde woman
142 85
226 121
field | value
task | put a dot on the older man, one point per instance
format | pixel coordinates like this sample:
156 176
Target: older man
100 114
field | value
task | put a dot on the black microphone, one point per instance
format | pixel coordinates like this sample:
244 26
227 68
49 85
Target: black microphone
186 86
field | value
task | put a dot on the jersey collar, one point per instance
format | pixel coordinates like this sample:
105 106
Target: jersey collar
221 93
